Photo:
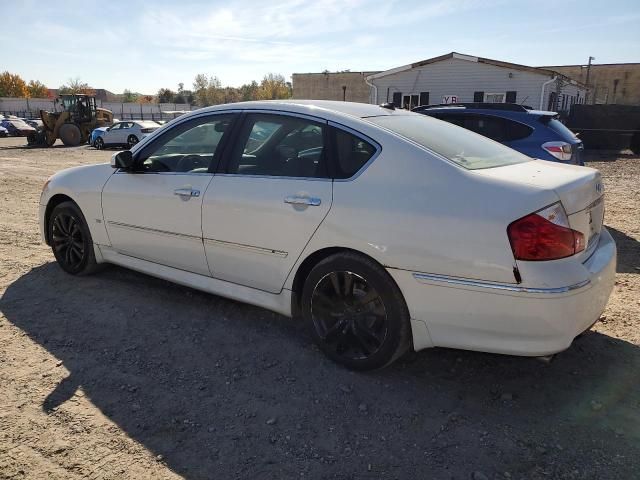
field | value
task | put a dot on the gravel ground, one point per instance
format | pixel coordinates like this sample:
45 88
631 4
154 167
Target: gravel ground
120 375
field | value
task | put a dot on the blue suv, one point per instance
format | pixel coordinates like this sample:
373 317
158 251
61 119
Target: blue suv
535 133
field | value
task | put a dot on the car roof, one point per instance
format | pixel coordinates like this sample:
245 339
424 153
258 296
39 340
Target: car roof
353 109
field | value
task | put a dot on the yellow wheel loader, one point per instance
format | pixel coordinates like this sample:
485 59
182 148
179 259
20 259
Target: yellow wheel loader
73 125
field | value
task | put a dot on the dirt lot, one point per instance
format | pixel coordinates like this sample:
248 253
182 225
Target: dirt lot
120 375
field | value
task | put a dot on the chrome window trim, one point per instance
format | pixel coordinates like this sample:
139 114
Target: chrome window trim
250 248
364 137
153 230
285 113
120 171
427 277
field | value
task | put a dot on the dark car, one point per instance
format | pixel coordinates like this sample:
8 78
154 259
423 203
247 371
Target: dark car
535 133
17 127
35 123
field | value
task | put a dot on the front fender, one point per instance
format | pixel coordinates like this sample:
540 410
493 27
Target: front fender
83 185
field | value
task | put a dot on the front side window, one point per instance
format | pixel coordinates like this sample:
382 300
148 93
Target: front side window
458 145
279 146
188 147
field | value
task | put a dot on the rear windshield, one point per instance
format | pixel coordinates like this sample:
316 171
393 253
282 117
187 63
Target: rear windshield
467 149
558 127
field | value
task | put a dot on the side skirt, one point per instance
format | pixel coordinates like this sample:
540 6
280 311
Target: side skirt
279 303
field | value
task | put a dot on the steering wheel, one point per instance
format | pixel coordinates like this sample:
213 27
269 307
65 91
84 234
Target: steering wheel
186 160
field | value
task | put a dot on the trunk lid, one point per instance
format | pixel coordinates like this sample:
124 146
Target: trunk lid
580 190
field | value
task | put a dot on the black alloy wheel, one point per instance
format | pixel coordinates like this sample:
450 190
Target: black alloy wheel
67 240
132 140
71 240
355 311
349 315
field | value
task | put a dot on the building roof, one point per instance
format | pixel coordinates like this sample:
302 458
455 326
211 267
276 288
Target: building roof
584 65
363 73
469 58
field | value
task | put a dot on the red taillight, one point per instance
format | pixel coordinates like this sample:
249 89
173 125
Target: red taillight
560 150
544 235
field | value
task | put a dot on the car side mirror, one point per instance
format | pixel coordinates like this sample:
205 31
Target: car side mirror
123 160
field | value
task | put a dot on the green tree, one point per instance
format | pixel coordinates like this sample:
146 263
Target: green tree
208 90
273 87
249 91
12 85
166 95
129 97
75 85
37 89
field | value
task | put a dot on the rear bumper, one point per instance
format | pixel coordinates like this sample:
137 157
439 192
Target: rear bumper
509 319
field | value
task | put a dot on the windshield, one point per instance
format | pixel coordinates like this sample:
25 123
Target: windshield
461 146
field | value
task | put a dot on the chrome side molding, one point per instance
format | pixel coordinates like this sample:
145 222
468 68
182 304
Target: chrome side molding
431 278
248 248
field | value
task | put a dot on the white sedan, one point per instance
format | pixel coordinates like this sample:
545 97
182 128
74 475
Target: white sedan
125 134
383 229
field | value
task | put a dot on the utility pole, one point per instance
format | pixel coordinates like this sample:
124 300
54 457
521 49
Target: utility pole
587 81
344 93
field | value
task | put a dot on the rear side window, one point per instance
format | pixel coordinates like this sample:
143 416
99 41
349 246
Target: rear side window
352 152
455 119
517 131
495 128
492 127
458 145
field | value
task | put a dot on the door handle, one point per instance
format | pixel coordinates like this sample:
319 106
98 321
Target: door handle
296 200
186 192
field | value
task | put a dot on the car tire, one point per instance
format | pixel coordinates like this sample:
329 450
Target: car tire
71 240
99 143
355 312
635 143
132 140
70 134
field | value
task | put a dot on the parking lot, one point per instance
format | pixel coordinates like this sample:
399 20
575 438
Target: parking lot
120 375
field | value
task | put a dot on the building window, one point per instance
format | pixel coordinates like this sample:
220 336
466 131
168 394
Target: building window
478 97
424 98
397 99
410 101
494 97
511 97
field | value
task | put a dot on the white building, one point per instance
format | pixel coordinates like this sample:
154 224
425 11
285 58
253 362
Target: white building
456 77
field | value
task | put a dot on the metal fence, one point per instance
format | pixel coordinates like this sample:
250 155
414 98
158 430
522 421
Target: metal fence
608 127
30 108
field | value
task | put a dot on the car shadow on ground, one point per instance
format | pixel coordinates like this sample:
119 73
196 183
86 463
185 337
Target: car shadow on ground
34 147
628 252
225 390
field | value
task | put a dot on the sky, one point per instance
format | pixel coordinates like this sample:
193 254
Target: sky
147 45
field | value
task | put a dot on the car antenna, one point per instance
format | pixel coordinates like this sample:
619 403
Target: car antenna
388 105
